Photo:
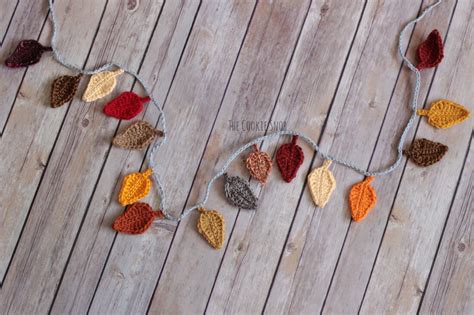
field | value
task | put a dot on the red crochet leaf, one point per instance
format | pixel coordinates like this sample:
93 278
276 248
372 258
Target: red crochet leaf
136 219
126 106
430 52
27 52
289 158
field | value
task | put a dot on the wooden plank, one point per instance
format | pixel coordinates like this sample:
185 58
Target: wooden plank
73 168
450 289
6 17
134 263
29 137
317 235
251 95
27 23
416 222
258 237
91 250
363 239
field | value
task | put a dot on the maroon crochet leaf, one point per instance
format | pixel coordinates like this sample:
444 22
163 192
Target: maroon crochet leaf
289 158
28 52
430 52
126 106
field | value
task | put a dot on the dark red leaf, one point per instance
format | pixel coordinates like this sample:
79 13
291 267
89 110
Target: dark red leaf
289 158
431 52
126 106
27 52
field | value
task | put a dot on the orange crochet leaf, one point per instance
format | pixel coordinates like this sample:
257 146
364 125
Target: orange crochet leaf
362 199
211 225
259 164
135 186
136 219
445 114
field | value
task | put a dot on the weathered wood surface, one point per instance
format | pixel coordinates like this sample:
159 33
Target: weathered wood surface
327 68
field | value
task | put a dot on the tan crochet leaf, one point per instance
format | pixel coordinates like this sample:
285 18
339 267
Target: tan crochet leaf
135 186
100 85
321 184
211 225
63 89
445 114
259 165
137 136
362 199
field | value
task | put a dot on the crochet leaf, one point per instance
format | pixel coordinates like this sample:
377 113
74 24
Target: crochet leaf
211 226
136 219
431 51
63 89
137 136
289 158
424 152
126 106
362 199
445 114
321 184
239 193
28 52
259 165
100 85
135 186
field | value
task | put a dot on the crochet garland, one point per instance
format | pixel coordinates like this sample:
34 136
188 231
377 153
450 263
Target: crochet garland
139 216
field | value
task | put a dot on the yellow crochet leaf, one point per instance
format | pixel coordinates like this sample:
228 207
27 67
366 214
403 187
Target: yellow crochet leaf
100 85
211 225
444 114
135 186
321 184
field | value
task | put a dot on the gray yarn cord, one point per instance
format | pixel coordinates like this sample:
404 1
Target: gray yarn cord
162 122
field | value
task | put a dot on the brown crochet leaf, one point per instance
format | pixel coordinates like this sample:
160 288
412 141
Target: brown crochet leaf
259 164
211 226
239 193
424 152
136 219
63 89
137 136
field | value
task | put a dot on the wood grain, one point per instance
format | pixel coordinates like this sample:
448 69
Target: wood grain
416 223
23 167
61 200
10 79
327 68
449 289
95 237
258 76
128 281
363 239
